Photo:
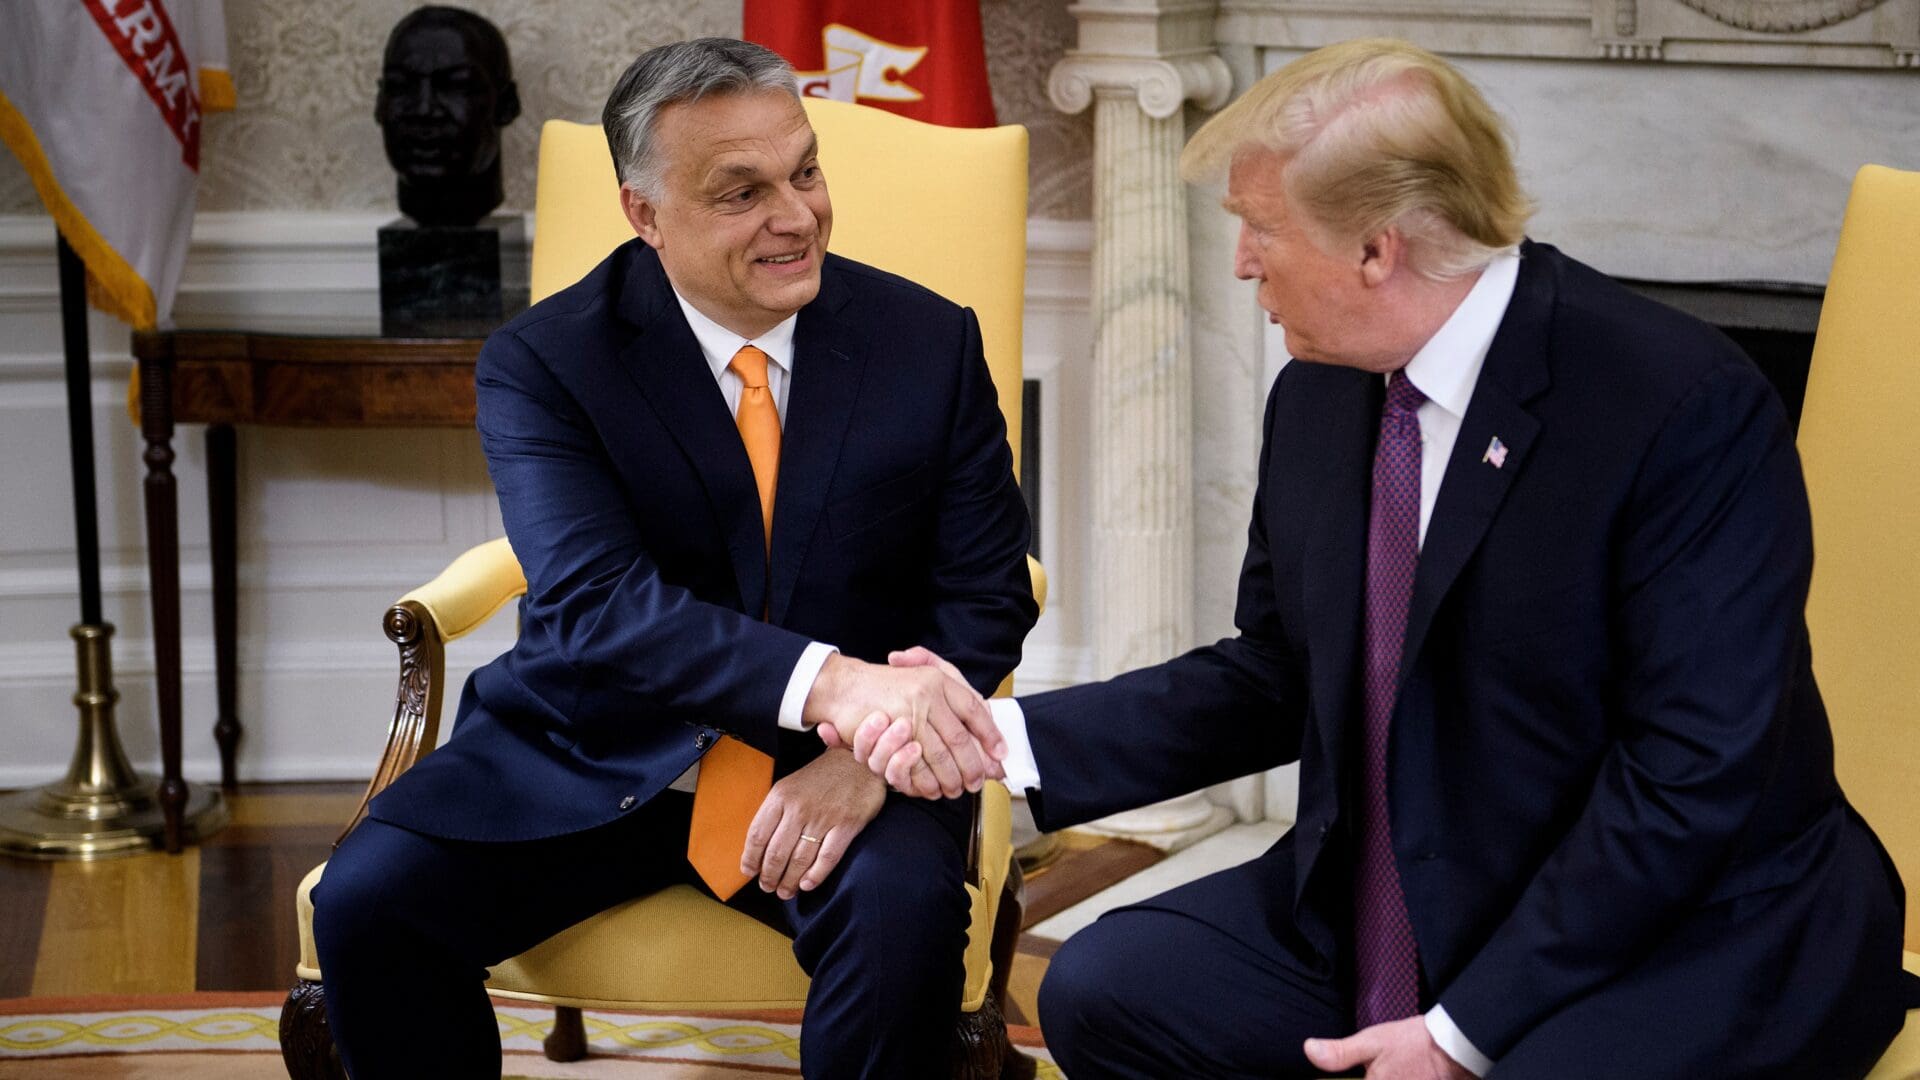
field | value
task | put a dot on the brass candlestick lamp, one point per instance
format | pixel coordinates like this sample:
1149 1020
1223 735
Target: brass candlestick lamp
102 808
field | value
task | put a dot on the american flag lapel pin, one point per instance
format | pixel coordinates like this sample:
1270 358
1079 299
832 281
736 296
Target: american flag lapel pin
1496 454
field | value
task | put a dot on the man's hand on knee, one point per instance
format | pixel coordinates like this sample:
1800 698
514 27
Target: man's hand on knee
1400 1050
807 821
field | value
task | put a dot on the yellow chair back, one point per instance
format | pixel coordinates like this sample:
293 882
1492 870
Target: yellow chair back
946 207
1860 445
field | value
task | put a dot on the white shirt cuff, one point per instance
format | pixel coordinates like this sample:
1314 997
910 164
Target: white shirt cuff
1454 1041
1023 771
800 684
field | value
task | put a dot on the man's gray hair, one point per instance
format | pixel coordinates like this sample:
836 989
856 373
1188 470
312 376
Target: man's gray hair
680 72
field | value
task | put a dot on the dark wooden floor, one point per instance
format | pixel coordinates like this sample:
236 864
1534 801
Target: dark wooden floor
221 917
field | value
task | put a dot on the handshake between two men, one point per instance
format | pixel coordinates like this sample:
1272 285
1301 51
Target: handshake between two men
914 721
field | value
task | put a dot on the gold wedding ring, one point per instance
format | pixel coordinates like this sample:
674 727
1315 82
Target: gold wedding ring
804 836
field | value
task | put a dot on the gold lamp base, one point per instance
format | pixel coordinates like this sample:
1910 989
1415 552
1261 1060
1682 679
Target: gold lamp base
102 808
1039 853
54 823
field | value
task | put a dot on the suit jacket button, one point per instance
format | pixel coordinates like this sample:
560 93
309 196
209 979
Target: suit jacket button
627 803
703 740
1324 830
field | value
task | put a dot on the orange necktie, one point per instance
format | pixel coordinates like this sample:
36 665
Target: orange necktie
734 777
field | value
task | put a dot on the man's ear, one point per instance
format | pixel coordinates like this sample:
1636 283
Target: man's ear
642 215
1381 255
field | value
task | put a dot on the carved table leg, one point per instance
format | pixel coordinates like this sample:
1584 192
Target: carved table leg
306 1044
568 1040
163 568
222 532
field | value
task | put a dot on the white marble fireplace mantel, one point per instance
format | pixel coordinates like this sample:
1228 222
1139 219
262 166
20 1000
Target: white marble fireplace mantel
1822 33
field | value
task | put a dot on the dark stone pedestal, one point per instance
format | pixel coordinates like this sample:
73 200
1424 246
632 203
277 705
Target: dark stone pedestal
451 281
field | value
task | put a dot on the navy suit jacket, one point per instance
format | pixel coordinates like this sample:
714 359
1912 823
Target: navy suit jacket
1607 721
630 502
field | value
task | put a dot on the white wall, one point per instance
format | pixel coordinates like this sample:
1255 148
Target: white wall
333 525
1680 172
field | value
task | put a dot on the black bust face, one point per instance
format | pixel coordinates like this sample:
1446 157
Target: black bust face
445 93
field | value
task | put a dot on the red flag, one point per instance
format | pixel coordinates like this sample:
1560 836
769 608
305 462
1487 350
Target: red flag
922 59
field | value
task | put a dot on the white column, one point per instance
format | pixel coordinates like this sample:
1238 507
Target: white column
1137 66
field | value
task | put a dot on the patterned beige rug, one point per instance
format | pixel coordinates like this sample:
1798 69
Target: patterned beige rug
236 1037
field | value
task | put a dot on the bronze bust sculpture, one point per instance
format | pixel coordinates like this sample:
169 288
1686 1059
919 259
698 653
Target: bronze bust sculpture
446 90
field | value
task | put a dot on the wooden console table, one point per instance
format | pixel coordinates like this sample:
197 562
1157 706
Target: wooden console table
226 378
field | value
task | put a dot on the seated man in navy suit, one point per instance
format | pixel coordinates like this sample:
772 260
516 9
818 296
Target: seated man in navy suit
1523 596
738 472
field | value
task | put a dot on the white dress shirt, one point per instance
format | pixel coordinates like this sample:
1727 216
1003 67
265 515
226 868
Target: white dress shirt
1445 370
718 344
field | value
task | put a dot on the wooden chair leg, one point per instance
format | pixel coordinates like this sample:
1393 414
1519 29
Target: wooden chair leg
1007 924
984 1051
568 1040
306 1045
1006 928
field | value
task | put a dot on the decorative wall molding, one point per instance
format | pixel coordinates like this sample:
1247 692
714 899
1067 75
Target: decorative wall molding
1797 33
1059 273
320 573
1162 86
1161 52
46 663
291 257
1558 28
1781 16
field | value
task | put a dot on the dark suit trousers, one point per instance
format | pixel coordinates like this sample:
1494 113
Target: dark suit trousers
1211 980
407 925
1197 982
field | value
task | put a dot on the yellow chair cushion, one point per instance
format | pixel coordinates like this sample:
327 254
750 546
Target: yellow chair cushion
484 579
658 952
578 221
1860 449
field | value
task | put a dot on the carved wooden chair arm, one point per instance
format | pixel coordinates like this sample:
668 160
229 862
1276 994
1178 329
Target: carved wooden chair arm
466 594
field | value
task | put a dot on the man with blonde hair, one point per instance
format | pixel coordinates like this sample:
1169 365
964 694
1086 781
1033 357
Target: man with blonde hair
1523 596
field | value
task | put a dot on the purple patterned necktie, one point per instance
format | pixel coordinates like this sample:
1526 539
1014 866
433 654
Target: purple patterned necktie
1387 963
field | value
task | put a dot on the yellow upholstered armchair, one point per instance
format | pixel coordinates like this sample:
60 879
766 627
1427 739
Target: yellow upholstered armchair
1860 446
943 206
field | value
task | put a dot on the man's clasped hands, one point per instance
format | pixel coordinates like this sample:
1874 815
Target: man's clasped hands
914 721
